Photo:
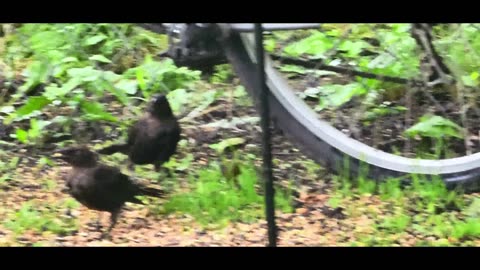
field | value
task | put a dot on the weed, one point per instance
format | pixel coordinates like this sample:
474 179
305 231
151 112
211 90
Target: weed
213 199
40 218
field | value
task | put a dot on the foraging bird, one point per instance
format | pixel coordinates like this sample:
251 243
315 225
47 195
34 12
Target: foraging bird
98 186
153 138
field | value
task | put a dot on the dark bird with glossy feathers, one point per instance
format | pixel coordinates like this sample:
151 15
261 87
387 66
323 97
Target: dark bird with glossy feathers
100 187
153 138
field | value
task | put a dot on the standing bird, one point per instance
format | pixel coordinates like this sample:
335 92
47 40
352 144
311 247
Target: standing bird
98 186
153 138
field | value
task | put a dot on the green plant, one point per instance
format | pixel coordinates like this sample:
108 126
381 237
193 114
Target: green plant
49 184
366 186
315 45
40 218
473 210
335 95
213 199
396 224
73 66
382 110
312 167
390 190
161 76
7 170
437 128
433 195
223 74
32 135
467 229
334 202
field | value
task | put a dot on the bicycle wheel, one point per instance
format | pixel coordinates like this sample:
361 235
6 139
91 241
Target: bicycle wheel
327 145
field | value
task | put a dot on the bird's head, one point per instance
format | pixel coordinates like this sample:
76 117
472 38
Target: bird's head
160 107
79 156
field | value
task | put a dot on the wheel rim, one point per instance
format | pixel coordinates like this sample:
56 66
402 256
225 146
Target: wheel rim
324 131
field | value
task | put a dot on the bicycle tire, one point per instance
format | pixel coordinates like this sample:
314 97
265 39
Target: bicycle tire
328 146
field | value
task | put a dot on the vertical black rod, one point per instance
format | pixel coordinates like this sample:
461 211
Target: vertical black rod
266 142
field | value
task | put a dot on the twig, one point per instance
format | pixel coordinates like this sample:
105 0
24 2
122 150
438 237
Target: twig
375 139
193 115
420 32
388 142
463 115
320 65
231 104
435 102
408 117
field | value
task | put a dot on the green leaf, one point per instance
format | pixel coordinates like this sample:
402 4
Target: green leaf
140 74
270 45
128 86
14 162
60 119
7 109
118 93
34 103
36 127
95 40
53 92
470 81
321 73
435 127
99 58
221 146
69 59
36 73
474 75
316 45
111 76
95 111
185 163
86 74
337 95
45 41
293 69
310 92
71 203
21 135
240 92
473 211
353 48
178 98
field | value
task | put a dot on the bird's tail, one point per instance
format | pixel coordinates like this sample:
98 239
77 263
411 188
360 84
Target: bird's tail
152 192
112 149
147 191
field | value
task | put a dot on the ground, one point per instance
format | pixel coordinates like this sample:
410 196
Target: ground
313 222
323 209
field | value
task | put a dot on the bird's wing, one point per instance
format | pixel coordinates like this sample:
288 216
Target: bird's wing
133 133
113 180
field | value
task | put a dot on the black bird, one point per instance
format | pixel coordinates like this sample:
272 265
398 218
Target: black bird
153 138
98 186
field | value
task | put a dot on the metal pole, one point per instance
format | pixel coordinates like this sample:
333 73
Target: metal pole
266 142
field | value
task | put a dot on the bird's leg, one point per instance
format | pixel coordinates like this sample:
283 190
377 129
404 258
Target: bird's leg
131 168
98 224
160 169
113 220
